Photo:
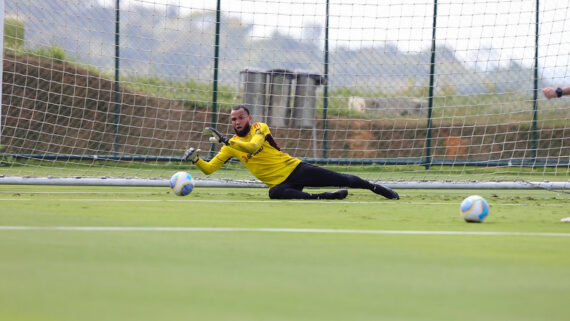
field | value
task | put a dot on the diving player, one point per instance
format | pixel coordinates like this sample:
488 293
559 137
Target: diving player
286 176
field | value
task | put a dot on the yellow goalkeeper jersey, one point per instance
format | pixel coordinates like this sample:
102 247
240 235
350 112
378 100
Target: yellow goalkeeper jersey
258 152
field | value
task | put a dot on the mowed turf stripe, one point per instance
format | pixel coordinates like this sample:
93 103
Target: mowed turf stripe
265 230
257 201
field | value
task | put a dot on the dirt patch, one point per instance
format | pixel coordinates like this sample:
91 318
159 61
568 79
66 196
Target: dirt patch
58 108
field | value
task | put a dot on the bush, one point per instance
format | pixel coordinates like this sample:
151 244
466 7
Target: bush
13 34
54 52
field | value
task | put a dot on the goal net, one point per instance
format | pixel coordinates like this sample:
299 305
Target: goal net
398 91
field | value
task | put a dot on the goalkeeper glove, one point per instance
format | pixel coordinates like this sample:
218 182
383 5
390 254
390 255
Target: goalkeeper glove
191 154
216 136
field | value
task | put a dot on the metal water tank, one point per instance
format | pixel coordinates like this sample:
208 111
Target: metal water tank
279 111
304 104
254 93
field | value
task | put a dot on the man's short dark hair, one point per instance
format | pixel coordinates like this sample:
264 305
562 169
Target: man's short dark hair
238 107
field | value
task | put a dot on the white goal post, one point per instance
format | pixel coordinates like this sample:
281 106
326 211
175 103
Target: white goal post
138 182
413 94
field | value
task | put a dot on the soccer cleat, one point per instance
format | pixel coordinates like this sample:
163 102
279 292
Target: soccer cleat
385 191
336 195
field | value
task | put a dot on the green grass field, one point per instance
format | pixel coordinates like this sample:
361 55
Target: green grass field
138 257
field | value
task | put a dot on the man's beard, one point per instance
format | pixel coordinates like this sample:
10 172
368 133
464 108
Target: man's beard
244 131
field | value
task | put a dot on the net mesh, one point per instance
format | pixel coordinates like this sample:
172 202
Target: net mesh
91 89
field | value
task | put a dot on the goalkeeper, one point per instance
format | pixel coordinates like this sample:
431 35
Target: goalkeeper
285 176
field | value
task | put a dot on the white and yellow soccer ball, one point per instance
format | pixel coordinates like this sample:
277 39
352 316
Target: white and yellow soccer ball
474 209
181 183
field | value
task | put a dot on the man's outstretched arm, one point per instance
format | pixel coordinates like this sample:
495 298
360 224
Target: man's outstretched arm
550 92
249 147
207 168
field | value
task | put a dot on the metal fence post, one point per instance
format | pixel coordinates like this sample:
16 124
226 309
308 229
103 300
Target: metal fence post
117 60
1 65
215 81
427 162
326 77
535 92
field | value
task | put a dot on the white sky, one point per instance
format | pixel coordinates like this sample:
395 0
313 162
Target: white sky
466 25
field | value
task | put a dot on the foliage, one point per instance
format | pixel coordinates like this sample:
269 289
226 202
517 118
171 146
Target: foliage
13 34
190 93
14 37
51 52
4 160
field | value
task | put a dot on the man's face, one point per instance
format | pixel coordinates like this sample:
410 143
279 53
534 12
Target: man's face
240 121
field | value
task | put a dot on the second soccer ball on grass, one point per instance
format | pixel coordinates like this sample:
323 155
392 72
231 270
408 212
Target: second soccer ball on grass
474 209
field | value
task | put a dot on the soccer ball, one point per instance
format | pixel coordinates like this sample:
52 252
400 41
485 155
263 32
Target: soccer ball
474 209
181 183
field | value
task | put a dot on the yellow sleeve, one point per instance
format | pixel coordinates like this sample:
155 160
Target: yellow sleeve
249 147
215 163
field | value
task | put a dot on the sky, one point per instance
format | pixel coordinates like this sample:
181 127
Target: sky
468 26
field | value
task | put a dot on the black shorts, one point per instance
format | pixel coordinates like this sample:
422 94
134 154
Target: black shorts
309 175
